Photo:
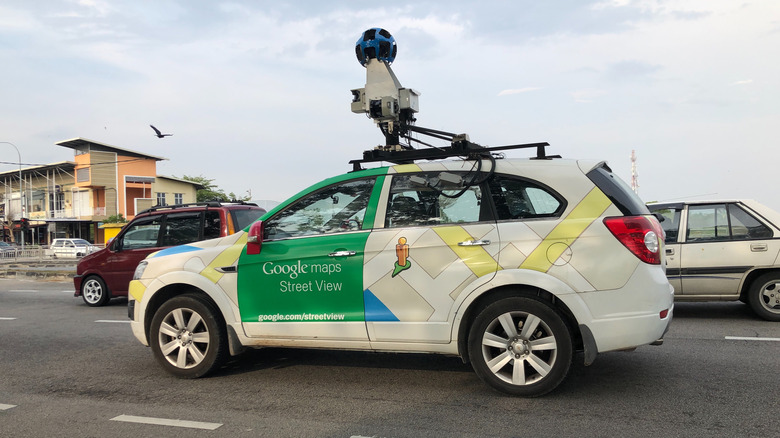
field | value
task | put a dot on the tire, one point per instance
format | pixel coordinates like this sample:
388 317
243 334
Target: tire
528 363
94 291
764 296
188 337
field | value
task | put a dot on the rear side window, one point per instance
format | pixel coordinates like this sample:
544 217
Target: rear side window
434 198
723 222
212 225
617 191
517 198
181 228
244 217
745 226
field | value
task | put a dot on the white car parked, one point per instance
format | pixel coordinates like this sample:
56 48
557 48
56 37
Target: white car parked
71 248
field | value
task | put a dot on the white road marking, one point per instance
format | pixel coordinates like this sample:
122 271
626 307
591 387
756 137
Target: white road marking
23 290
167 422
6 318
123 321
6 407
749 338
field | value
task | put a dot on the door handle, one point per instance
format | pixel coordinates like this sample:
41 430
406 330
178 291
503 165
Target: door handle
758 247
342 254
669 251
474 243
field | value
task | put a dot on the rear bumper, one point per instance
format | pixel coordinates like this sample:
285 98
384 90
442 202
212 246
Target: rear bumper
637 314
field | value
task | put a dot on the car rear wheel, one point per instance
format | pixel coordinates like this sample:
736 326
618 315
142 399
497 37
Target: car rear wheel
764 296
187 337
520 346
94 292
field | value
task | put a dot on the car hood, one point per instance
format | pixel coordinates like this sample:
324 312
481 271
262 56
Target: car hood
203 257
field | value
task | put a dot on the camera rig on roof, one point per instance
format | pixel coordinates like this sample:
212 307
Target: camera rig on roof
392 107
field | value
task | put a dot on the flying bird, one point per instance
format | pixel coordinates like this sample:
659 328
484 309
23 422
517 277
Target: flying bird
160 134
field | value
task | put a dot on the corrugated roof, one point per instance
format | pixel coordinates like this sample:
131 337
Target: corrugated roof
83 143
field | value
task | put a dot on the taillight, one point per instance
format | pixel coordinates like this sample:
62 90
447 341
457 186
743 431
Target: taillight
254 240
640 234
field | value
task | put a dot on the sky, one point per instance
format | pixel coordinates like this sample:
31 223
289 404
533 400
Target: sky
257 93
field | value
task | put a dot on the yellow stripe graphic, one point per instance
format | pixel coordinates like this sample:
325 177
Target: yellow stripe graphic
405 168
227 258
474 257
570 228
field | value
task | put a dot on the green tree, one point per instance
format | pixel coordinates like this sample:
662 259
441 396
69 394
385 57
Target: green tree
210 191
116 219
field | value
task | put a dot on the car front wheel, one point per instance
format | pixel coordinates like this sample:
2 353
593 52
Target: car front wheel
764 296
520 346
187 337
94 292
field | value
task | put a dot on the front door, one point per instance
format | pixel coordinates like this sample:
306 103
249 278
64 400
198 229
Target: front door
306 283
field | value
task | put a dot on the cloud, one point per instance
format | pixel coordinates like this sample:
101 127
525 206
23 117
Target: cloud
587 95
507 92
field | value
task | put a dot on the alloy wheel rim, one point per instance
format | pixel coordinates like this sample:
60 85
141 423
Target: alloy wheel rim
92 291
770 296
519 348
183 338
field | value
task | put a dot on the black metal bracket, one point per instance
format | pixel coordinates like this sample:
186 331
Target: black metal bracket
460 146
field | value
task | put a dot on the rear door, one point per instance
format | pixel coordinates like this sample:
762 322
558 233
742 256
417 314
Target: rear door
722 243
438 238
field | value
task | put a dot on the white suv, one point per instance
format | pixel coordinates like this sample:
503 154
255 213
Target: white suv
511 264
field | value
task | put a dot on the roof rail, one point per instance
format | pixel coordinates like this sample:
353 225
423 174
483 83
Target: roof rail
197 204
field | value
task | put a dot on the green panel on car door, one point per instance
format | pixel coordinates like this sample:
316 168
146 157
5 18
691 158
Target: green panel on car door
297 280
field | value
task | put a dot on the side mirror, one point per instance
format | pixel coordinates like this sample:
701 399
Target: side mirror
254 241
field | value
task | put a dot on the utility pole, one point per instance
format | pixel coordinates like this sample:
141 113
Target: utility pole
21 192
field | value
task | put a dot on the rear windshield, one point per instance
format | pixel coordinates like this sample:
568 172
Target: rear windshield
244 217
617 191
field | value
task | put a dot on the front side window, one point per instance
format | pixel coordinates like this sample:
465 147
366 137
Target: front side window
334 209
671 223
142 233
434 198
517 198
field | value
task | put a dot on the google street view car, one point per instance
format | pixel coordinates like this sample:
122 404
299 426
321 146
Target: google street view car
514 265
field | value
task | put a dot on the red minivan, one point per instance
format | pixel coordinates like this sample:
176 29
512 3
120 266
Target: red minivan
107 273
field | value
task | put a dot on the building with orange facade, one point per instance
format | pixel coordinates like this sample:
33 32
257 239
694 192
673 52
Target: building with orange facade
73 199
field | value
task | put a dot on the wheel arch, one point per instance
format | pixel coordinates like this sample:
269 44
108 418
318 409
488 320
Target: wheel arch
532 284
751 277
197 285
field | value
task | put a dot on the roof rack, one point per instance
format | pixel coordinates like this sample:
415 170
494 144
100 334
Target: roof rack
196 204
460 146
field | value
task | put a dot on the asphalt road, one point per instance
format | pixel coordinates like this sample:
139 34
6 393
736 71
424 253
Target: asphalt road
70 370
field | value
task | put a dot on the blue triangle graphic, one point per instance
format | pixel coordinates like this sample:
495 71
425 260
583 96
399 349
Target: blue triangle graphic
376 309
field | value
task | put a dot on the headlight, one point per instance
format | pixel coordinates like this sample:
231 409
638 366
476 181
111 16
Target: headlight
139 270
